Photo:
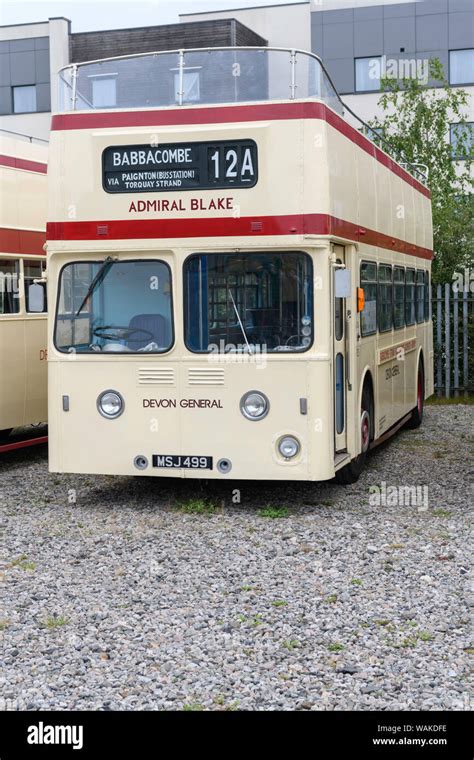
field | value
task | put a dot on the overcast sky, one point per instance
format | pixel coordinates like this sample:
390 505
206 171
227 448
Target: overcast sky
114 14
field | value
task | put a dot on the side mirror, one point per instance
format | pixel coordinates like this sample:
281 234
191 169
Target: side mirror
342 283
35 298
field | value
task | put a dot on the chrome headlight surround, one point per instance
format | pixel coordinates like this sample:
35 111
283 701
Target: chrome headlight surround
289 440
113 398
256 397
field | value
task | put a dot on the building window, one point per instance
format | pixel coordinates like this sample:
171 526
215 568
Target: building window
462 140
191 87
367 73
461 66
104 92
24 99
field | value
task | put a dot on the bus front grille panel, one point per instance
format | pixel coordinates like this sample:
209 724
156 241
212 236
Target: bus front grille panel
206 376
156 376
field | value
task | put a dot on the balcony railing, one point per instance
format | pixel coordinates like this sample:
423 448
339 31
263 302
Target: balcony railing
208 76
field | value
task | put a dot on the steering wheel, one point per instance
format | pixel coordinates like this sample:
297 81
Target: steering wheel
122 333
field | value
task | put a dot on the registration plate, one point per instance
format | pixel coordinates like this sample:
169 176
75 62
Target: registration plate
182 461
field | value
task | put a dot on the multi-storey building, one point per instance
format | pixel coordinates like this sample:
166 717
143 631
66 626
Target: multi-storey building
32 54
358 41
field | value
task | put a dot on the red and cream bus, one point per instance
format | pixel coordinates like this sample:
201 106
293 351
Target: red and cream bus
240 278
23 320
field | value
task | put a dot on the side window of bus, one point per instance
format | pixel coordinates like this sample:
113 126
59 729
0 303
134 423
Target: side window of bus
385 298
398 298
420 296
427 296
368 283
410 297
35 293
9 286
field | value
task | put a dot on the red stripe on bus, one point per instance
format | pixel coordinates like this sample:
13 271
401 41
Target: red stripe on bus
23 163
22 241
23 444
230 114
297 224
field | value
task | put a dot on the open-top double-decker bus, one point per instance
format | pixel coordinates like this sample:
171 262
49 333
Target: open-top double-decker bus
240 276
23 320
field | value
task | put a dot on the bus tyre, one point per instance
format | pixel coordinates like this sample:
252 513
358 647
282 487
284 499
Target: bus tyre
350 473
417 413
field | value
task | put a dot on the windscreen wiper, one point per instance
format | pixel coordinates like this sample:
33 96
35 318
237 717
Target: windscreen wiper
96 281
239 321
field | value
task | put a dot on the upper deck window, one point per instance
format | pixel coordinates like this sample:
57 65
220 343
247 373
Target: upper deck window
248 302
114 306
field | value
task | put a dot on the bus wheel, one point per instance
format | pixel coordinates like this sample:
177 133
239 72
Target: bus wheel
350 472
417 413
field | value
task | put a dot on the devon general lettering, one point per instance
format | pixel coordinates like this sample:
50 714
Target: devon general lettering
184 403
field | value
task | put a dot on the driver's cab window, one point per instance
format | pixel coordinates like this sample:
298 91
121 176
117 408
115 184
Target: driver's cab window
114 306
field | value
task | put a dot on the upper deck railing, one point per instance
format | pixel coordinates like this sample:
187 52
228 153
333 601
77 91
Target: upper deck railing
209 76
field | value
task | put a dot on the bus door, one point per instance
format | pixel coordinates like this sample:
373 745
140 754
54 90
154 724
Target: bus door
341 291
36 376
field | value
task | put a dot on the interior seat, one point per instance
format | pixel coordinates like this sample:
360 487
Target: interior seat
154 324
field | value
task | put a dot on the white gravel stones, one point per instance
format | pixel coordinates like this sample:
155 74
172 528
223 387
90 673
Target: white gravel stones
124 601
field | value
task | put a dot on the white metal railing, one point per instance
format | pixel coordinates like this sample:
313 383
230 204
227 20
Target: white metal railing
225 75
30 138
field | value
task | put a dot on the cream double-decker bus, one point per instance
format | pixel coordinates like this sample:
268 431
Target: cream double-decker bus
239 277
23 328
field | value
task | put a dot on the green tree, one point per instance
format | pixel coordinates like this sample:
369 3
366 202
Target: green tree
416 121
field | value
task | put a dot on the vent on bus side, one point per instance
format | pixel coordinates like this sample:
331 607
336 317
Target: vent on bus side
156 376
206 376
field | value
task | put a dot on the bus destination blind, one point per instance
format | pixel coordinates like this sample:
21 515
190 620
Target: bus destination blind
179 166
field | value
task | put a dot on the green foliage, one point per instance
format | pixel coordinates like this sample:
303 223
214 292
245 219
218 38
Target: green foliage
273 513
198 507
291 644
416 121
55 622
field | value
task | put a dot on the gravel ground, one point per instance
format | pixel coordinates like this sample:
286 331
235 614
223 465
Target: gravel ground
127 599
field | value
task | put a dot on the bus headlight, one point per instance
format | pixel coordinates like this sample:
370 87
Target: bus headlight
254 405
288 446
110 404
